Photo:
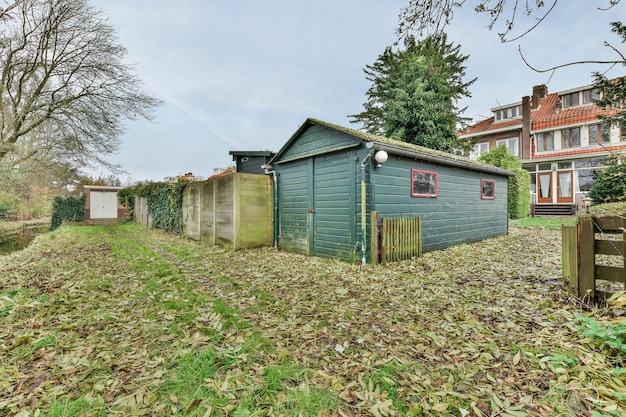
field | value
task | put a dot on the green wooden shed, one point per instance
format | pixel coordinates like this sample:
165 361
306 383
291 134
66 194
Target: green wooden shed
324 171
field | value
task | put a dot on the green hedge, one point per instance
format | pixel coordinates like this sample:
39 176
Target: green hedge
67 209
165 203
519 185
519 194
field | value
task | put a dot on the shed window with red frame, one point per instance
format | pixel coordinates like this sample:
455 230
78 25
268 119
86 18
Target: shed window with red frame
424 183
487 189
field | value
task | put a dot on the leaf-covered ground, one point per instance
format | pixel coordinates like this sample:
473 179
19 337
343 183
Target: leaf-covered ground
127 321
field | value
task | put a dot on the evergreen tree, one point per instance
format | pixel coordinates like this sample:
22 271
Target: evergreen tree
414 94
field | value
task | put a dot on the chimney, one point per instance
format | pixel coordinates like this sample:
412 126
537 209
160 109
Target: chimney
526 125
539 92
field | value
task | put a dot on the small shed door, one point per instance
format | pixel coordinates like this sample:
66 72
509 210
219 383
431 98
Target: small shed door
334 226
103 205
295 205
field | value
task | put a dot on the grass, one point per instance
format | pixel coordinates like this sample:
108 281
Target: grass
127 321
543 222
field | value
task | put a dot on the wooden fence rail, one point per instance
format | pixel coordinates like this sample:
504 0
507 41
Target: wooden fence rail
396 239
580 245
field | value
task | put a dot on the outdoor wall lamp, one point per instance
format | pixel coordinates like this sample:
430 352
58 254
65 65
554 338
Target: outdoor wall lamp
587 202
380 158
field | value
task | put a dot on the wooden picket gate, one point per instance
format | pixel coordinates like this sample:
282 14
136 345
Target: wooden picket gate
580 245
395 239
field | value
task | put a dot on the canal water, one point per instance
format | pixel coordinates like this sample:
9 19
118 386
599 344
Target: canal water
18 241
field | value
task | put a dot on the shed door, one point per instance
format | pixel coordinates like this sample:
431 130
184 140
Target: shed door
316 206
295 196
334 221
103 205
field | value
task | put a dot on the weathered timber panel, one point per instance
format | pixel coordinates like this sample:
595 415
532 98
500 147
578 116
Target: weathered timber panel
401 238
334 217
225 210
141 214
254 211
569 241
234 210
318 140
293 191
456 215
191 211
207 212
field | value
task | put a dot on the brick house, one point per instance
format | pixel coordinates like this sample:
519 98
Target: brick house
560 140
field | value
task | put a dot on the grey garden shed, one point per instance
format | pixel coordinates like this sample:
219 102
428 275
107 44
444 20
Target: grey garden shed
329 180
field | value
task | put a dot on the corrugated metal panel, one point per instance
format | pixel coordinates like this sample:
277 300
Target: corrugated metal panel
334 216
456 215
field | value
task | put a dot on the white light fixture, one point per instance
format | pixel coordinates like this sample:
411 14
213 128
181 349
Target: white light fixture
587 202
381 157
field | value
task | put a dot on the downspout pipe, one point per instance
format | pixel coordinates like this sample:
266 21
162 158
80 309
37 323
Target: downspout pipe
269 170
364 163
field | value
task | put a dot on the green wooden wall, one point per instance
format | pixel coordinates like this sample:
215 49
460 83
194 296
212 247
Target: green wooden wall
316 192
319 197
457 215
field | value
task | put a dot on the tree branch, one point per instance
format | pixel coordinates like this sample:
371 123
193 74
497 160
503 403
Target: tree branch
565 65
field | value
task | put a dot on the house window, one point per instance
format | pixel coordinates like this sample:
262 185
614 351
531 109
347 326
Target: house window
570 100
487 189
511 145
424 183
545 141
599 134
570 137
479 149
590 95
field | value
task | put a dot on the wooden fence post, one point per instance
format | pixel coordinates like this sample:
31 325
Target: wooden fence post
587 262
569 235
374 252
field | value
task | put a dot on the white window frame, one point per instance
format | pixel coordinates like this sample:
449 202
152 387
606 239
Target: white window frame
508 143
479 149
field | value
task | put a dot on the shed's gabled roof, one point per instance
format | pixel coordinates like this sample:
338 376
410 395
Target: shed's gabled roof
396 147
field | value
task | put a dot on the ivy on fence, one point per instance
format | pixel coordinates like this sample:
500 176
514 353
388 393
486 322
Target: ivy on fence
67 209
165 203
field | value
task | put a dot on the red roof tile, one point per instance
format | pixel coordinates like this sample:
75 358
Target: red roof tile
545 117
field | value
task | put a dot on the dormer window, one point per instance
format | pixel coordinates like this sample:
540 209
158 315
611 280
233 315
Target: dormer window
508 113
590 95
570 100
574 99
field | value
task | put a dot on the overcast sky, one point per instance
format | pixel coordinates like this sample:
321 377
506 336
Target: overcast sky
245 74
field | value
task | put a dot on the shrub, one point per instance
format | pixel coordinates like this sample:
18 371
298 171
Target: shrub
610 185
519 185
165 203
67 209
519 194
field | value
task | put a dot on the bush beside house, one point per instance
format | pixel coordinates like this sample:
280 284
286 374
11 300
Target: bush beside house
519 185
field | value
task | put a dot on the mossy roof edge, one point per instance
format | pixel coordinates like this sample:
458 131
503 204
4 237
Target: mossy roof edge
391 145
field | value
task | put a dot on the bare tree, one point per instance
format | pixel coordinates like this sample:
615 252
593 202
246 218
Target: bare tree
65 90
431 17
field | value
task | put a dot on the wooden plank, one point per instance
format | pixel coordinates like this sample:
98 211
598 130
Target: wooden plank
608 247
586 249
374 252
608 222
569 235
609 273
624 251
419 236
